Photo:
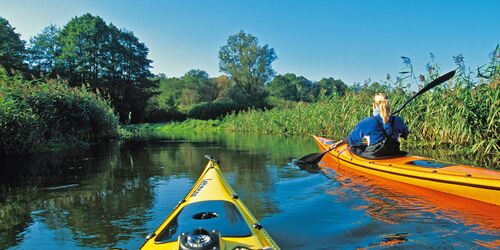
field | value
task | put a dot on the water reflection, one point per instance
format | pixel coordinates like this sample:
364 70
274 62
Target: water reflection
95 199
401 205
113 195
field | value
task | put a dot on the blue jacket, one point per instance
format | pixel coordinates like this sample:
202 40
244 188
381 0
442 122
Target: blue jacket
370 128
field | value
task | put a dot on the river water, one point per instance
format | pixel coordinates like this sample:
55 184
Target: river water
113 195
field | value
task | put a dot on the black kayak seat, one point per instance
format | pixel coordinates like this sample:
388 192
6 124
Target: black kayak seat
397 154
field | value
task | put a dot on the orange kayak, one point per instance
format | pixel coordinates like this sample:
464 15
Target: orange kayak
466 181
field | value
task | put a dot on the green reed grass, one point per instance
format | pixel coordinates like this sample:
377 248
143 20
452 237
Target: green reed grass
464 118
42 115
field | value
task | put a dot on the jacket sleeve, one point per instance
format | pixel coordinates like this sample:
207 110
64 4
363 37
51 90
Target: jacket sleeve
356 135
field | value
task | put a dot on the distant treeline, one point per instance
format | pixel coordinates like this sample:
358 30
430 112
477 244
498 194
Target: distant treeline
110 66
112 61
85 52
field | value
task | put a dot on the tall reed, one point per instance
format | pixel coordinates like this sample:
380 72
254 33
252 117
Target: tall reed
48 115
459 115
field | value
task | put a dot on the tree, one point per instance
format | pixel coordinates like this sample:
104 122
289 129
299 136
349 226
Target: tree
330 86
84 43
198 87
282 87
223 85
12 50
248 66
43 51
169 92
291 87
110 60
126 74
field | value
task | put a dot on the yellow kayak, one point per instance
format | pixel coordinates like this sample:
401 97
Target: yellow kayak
211 216
466 181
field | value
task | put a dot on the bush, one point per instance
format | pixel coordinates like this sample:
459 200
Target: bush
155 112
213 110
45 115
163 115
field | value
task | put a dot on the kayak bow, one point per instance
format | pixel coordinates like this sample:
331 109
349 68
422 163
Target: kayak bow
466 181
211 216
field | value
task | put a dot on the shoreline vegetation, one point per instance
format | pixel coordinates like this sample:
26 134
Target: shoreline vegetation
47 115
90 81
451 125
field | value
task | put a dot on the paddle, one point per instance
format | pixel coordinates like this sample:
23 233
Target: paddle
316 157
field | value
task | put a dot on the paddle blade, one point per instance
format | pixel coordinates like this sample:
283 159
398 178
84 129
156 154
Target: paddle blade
437 81
309 167
316 157
431 85
312 158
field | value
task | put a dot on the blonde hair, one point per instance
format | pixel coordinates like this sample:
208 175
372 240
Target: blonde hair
382 101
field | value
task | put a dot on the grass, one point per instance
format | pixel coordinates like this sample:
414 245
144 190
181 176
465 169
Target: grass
47 115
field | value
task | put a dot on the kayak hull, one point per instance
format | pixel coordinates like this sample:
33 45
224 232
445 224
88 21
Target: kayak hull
211 205
466 181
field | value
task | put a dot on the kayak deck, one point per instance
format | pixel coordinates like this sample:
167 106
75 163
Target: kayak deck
467 181
211 208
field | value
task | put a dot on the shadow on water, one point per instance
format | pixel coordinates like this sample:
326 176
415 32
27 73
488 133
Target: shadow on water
112 195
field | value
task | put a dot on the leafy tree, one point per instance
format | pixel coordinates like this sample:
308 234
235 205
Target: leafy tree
356 87
109 60
375 87
290 87
169 92
12 51
249 66
43 51
223 85
329 86
198 88
282 87
305 88
197 73
127 77
84 41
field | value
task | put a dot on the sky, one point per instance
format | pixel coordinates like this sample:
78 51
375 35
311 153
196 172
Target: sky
352 40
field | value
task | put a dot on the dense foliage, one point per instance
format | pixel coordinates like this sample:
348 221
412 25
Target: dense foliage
298 88
43 115
89 51
12 49
214 110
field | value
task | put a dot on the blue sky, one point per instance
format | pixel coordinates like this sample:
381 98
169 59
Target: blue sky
351 40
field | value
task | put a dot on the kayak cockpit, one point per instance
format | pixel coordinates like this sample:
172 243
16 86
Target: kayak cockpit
428 163
219 215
